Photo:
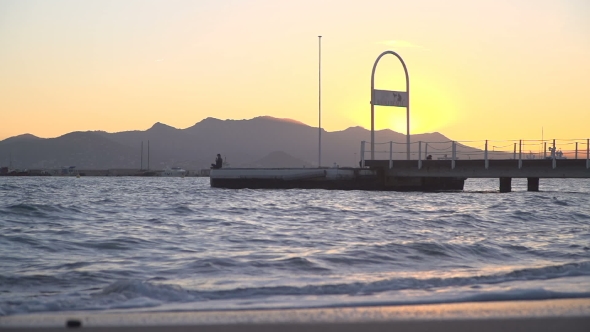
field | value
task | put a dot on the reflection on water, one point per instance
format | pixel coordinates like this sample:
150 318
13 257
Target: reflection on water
175 243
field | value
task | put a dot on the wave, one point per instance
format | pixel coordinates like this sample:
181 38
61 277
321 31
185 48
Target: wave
430 253
125 243
143 289
220 265
394 284
139 294
39 210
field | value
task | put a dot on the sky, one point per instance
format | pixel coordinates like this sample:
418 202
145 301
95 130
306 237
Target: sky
486 69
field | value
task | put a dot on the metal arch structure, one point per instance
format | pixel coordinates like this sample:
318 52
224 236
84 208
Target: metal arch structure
373 103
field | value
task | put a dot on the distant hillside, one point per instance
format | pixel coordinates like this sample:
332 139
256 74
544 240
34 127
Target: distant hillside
264 141
22 138
86 149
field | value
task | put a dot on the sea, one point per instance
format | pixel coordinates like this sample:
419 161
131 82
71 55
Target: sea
121 244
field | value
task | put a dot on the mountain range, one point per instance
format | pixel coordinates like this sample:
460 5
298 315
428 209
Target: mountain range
259 142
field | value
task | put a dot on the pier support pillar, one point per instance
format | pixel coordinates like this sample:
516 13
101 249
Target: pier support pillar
505 185
532 184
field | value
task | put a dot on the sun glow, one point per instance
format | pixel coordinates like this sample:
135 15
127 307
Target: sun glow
432 108
471 77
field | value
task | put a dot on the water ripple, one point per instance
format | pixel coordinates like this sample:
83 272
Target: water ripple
104 243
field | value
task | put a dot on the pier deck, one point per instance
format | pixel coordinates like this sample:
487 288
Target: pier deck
535 168
504 170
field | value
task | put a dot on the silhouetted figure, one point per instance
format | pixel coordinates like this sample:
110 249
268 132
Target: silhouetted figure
218 162
429 157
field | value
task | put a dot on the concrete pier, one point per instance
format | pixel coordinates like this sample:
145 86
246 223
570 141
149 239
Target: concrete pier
328 178
539 168
404 175
505 185
295 178
532 184
504 170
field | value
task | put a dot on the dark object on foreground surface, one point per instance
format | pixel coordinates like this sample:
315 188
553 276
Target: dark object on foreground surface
73 323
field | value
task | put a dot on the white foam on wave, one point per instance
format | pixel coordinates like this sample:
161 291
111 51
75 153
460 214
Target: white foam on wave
400 284
565 281
123 294
393 298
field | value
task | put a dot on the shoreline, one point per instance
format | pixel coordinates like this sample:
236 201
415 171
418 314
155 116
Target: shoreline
538 315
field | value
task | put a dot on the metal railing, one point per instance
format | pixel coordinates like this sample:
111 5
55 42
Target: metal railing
480 150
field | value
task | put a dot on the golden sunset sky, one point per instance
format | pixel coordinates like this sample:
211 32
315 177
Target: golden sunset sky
482 69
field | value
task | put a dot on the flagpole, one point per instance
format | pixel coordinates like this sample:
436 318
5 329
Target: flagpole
320 101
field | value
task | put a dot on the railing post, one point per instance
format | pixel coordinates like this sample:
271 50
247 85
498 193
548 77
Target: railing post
576 151
587 153
486 155
514 157
454 155
544 150
519 154
362 154
420 155
390 154
553 155
426 151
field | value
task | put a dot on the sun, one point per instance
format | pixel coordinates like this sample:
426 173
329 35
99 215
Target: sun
393 118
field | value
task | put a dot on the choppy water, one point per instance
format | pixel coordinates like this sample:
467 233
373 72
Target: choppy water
177 244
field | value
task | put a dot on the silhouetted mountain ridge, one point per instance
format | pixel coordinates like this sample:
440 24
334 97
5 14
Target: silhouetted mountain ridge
262 141
22 138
